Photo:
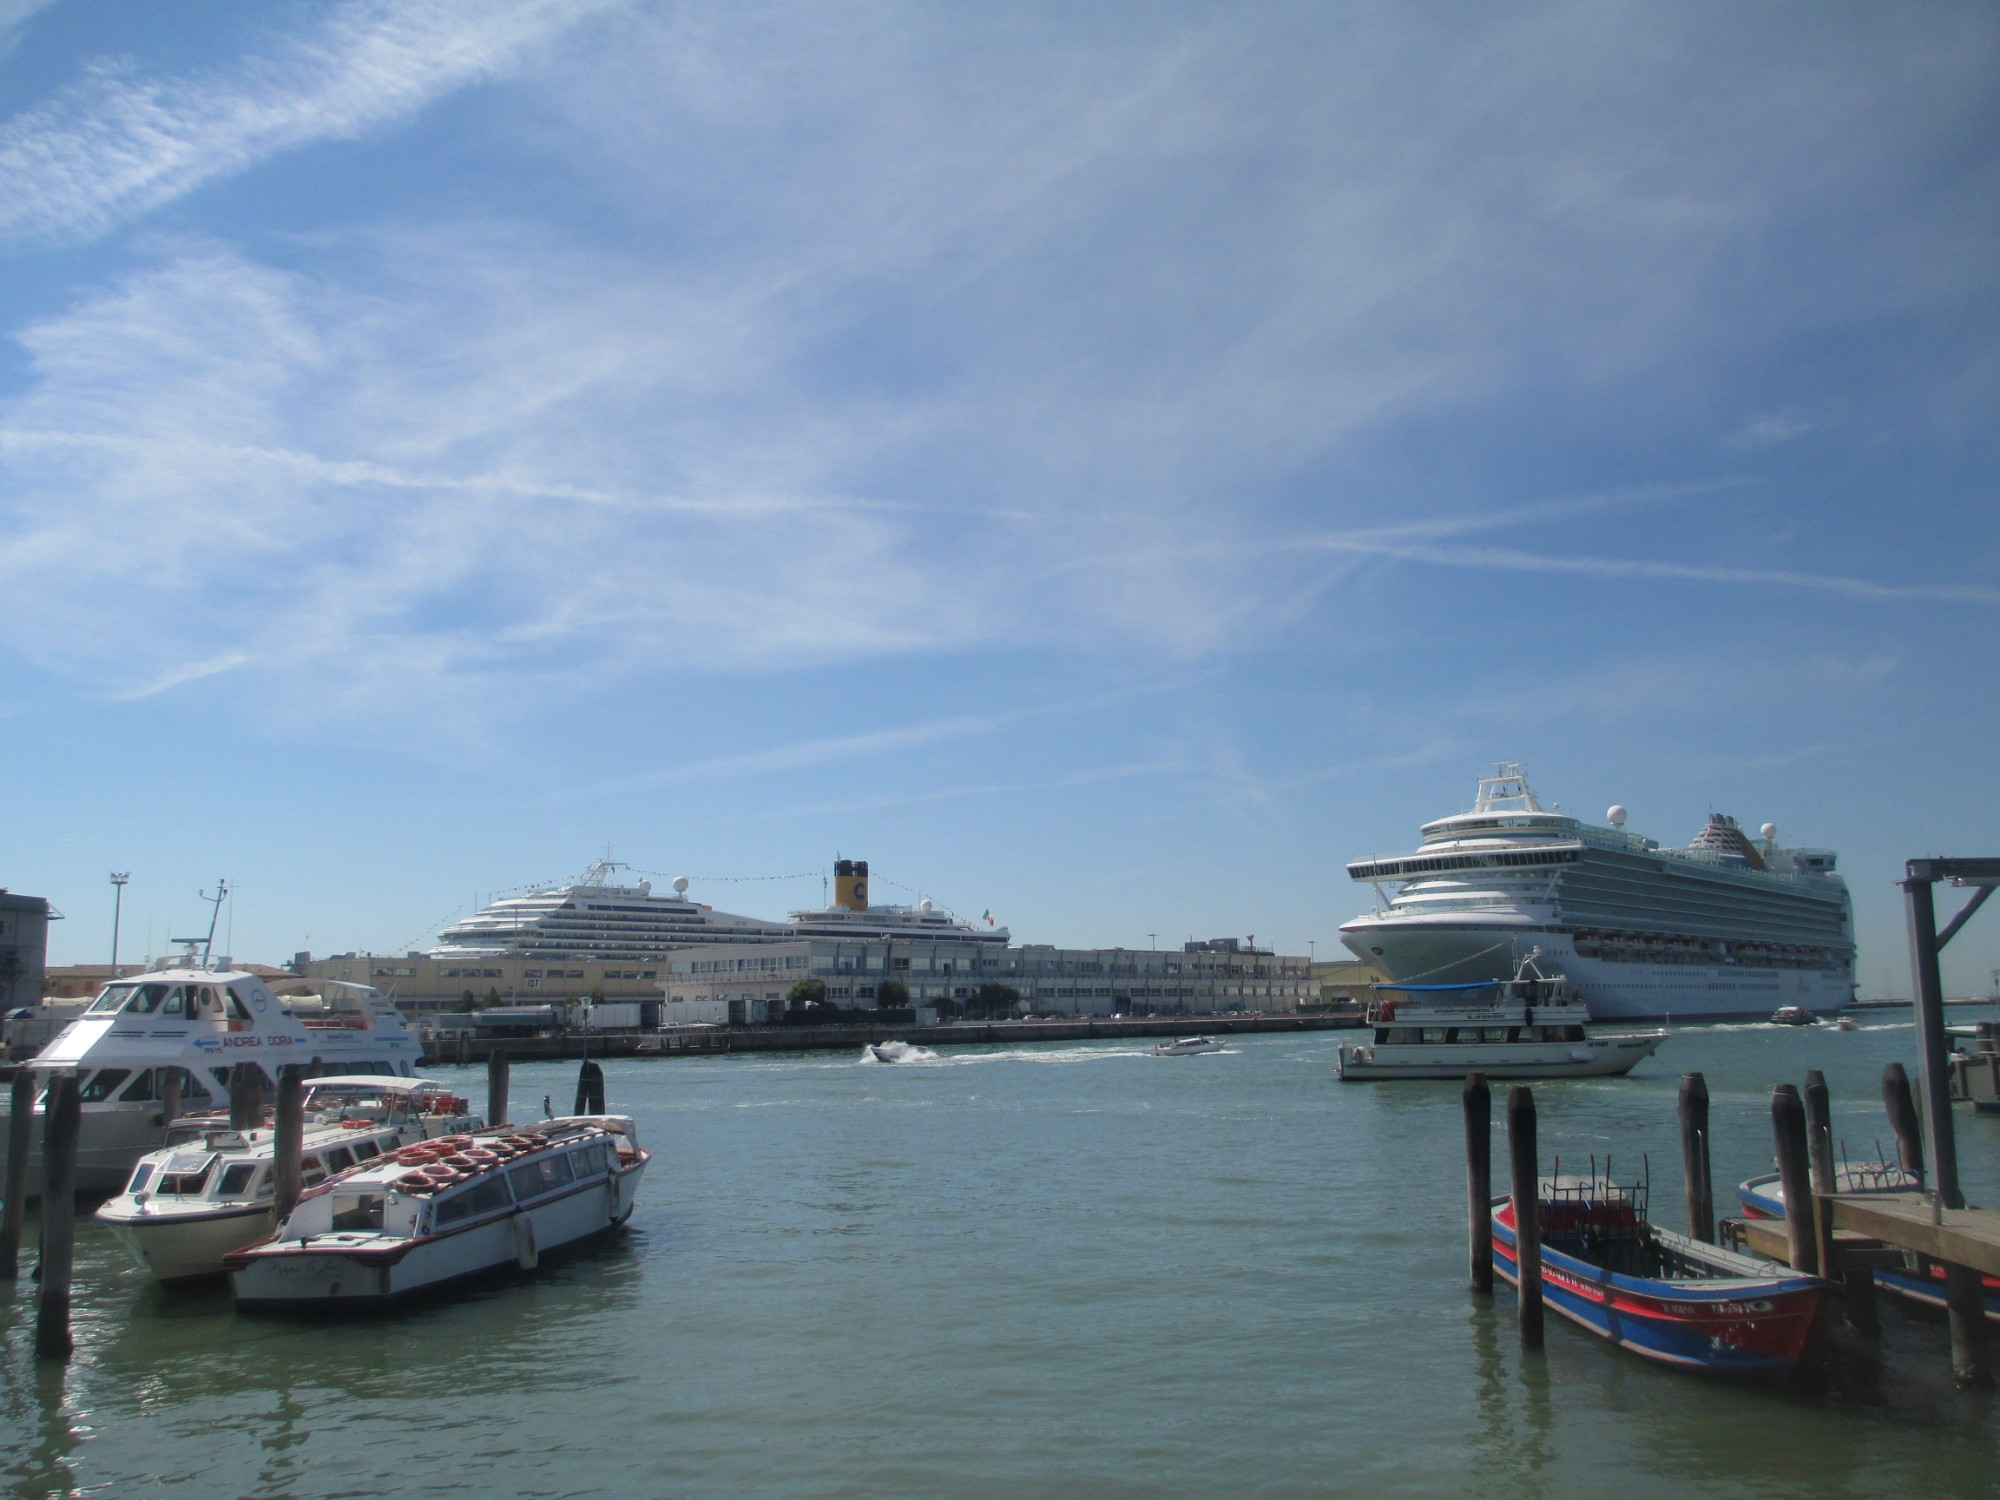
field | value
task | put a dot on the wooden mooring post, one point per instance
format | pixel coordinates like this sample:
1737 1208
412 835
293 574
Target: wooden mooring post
589 1090
1902 1110
1527 1188
1788 1130
246 1096
288 1141
1694 1158
20 1142
496 1085
1479 1180
62 1123
1819 1162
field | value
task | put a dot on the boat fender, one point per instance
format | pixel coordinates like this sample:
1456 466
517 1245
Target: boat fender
525 1254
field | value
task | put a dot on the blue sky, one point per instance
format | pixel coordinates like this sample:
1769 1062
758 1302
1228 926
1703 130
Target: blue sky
1107 464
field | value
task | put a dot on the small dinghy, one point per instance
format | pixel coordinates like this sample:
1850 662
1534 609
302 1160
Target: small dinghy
1664 1296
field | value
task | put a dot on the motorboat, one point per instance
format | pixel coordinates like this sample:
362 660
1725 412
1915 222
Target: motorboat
1187 1046
1845 1023
1665 1296
209 1189
185 1027
896 1052
1919 1279
1793 1015
1530 1026
426 1216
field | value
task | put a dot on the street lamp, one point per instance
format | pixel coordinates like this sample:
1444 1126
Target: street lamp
118 880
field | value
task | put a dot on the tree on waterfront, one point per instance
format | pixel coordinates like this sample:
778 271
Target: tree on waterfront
892 994
492 994
467 1001
805 992
994 1000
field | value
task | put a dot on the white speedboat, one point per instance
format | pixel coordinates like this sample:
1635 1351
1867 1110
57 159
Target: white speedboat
426 1216
1186 1046
202 1022
209 1189
896 1053
1529 1026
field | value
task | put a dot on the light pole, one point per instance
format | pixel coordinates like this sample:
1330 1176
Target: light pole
118 880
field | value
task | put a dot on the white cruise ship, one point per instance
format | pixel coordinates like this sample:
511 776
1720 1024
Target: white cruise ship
1729 926
596 917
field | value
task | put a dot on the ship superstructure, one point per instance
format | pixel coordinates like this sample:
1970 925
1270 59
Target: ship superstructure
1728 926
600 917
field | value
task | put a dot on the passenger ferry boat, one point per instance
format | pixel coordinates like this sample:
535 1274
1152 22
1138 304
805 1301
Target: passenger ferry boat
1666 1297
1729 926
598 917
1530 1026
202 1021
429 1215
209 1189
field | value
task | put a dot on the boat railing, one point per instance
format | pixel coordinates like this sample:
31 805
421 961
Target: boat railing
1594 1206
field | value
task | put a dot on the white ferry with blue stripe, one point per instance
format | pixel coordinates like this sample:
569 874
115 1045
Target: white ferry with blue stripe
1729 926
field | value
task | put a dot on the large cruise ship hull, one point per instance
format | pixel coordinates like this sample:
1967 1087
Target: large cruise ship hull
1460 952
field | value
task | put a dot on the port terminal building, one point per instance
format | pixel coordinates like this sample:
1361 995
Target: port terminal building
749 983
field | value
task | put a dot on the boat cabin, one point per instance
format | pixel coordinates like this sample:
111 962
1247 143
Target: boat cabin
1484 1011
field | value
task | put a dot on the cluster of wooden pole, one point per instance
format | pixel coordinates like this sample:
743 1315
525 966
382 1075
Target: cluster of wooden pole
62 1125
1801 1123
1525 1189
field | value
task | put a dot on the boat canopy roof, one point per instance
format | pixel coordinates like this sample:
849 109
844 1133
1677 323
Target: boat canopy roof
376 1081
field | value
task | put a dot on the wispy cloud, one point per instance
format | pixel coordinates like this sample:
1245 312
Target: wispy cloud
119 143
1514 560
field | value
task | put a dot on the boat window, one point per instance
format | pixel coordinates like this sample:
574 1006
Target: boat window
141 1175
147 998
589 1160
360 1212
539 1176
174 1004
113 998
237 1009
483 1196
185 1174
144 1088
102 1084
236 1179
312 1171
339 1159
366 1150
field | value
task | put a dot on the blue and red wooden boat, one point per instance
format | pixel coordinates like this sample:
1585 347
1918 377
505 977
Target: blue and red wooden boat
1921 1281
1664 1296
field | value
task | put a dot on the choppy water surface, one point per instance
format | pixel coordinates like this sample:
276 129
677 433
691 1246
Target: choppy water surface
1060 1270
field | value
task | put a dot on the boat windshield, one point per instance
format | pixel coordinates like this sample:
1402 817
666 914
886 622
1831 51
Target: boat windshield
140 999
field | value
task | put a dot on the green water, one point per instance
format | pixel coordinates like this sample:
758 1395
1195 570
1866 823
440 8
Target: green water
1052 1271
